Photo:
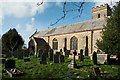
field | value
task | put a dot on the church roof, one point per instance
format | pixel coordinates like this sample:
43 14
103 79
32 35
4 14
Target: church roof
39 41
80 26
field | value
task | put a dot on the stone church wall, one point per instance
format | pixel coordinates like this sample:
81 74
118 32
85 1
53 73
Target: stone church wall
81 36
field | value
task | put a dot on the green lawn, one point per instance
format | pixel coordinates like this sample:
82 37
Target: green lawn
34 69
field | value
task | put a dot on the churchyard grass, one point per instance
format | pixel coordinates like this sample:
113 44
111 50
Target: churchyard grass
34 69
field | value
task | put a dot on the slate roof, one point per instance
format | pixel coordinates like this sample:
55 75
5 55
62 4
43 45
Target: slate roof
80 26
39 41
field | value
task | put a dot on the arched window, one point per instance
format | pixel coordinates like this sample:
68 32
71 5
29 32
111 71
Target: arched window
74 43
55 44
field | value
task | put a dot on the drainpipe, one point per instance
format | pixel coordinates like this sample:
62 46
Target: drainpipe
91 41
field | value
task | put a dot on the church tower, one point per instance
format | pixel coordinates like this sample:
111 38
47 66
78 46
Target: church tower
101 12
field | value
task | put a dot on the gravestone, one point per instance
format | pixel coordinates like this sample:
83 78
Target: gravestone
43 59
51 55
81 55
108 59
67 52
56 58
61 52
94 57
62 58
102 58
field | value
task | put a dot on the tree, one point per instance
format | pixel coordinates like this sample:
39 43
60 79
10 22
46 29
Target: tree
110 42
12 41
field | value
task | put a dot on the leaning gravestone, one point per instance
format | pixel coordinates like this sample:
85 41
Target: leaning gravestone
51 55
56 58
62 58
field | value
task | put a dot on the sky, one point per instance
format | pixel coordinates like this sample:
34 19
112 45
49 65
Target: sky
27 17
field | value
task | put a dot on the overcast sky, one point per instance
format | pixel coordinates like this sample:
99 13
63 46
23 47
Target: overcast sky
26 16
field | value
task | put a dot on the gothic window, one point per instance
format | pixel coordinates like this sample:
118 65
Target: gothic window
98 15
65 47
55 44
86 41
74 43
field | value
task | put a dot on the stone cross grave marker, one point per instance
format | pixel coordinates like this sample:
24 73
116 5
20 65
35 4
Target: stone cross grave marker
73 63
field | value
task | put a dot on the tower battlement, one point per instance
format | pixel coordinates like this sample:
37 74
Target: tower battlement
101 11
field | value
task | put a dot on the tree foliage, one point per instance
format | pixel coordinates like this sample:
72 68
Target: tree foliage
110 42
11 40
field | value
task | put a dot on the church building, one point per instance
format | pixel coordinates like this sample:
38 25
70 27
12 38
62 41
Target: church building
77 36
